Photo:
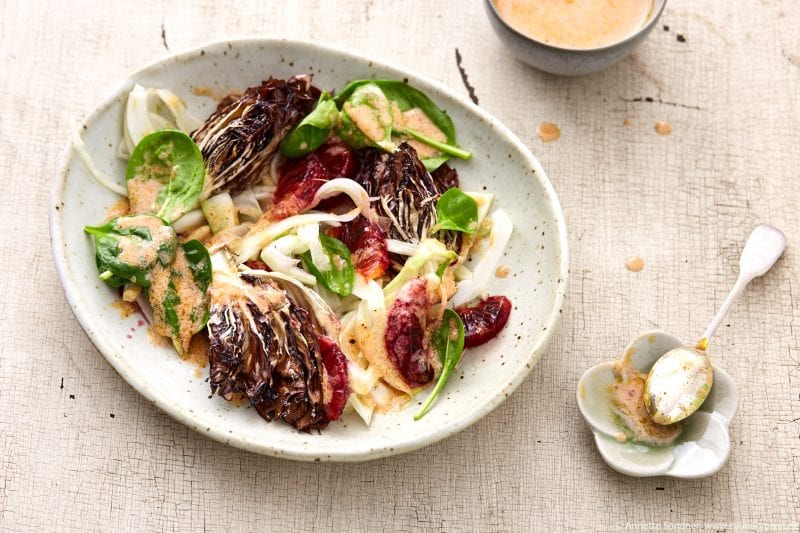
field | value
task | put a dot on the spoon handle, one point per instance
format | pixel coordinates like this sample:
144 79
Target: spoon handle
738 289
763 248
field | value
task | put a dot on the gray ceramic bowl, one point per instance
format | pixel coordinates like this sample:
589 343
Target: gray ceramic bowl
566 61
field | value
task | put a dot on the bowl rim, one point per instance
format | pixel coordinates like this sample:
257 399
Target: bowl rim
655 13
183 414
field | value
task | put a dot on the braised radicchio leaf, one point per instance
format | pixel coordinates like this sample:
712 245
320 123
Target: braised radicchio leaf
407 192
270 340
407 335
445 177
239 140
300 179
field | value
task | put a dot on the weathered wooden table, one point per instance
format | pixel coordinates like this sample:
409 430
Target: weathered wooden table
80 450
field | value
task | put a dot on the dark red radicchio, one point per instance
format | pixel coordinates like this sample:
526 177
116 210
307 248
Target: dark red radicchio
300 179
271 339
406 192
240 138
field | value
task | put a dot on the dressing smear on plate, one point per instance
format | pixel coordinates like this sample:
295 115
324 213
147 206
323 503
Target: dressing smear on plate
627 396
577 24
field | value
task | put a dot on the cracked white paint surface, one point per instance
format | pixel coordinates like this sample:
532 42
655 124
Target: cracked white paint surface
684 202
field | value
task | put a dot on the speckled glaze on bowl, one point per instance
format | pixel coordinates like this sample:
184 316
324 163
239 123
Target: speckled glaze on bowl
569 61
537 255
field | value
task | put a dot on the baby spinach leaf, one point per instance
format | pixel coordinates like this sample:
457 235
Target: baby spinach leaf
341 276
457 211
109 277
407 98
171 302
313 130
199 262
182 301
366 118
127 248
448 340
174 162
442 147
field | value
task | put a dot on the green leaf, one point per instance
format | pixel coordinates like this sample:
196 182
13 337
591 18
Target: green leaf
457 211
442 147
109 277
172 308
171 302
347 130
313 130
199 262
171 158
448 340
407 97
365 118
341 276
124 248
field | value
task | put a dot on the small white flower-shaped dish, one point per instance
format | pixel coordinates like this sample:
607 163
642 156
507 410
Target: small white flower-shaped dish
700 451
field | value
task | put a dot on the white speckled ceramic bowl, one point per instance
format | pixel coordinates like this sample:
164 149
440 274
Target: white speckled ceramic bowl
537 255
700 451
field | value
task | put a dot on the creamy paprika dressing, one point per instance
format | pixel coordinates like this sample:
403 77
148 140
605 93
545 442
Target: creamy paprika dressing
578 24
141 252
186 304
415 119
627 397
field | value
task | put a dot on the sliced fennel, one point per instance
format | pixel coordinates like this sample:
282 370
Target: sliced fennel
80 148
362 409
246 203
341 273
363 377
265 232
149 110
401 247
279 256
469 289
349 187
430 255
191 220
370 292
263 192
308 234
362 380
220 211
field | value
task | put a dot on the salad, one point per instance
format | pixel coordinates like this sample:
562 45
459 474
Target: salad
315 246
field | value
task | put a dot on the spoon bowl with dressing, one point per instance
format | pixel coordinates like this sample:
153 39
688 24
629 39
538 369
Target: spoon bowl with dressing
572 37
